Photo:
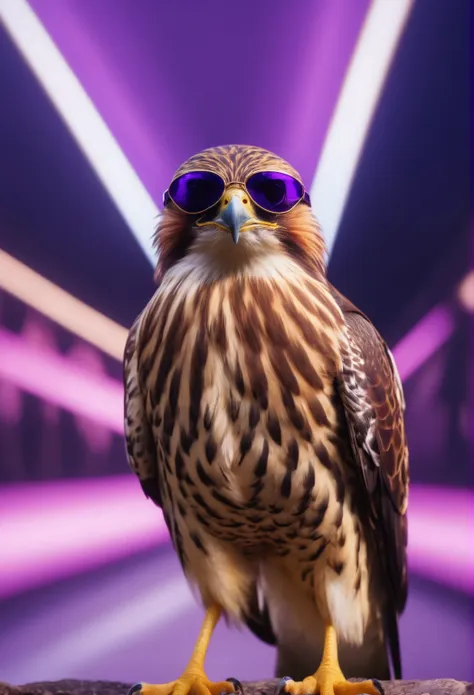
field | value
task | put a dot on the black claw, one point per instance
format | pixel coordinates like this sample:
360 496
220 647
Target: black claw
378 685
280 686
135 689
238 687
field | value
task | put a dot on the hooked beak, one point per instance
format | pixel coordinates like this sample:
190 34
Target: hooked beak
233 217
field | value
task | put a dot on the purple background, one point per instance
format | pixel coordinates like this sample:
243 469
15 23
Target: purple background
170 79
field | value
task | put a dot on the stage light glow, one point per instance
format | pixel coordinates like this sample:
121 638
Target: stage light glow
143 612
66 310
466 293
83 120
60 381
423 340
354 110
64 527
441 528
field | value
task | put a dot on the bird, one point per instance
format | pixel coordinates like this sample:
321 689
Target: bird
264 415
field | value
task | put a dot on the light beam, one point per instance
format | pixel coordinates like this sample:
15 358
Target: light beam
83 120
56 304
354 110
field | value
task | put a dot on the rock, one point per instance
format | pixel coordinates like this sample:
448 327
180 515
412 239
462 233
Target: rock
74 687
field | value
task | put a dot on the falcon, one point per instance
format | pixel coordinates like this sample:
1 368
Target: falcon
264 415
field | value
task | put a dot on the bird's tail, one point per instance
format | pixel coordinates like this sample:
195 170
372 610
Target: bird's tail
393 640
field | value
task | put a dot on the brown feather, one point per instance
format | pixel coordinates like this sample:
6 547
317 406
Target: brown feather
377 431
301 236
236 162
171 240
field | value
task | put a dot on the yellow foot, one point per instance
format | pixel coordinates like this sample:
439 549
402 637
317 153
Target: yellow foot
189 684
328 681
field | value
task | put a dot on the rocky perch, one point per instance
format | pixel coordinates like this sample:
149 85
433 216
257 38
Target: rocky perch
74 687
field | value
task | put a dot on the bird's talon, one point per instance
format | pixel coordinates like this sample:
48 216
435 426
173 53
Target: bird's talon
135 689
280 686
238 687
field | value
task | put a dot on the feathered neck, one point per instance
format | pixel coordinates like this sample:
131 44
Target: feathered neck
296 242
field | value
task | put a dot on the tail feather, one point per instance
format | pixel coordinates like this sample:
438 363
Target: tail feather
393 640
257 618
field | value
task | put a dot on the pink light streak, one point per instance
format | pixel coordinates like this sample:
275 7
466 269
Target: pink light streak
60 381
61 307
55 530
423 340
440 534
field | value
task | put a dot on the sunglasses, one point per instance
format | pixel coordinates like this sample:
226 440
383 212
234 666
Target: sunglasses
272 191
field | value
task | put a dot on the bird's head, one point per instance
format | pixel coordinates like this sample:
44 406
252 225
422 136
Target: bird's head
234 205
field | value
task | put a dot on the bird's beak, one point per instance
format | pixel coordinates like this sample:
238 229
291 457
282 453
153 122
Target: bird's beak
234 214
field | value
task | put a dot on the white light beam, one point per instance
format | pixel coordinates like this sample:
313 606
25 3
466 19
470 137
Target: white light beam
354 110
58 305
83 120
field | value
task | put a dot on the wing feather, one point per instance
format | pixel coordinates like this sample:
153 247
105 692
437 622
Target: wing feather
141 447
372 397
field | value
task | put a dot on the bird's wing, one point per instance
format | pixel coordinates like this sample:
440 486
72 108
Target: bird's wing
141 448
372 397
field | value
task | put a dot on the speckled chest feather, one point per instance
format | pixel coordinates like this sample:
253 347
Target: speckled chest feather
238 376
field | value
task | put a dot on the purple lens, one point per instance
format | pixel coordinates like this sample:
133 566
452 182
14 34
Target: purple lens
274 191
196 191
